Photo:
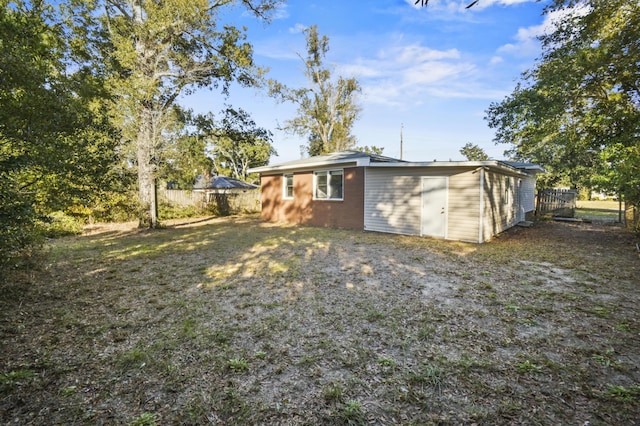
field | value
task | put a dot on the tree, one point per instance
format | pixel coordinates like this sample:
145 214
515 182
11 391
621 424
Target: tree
185 157
327 109
473 152
375 150
162 50
56 146
577 112
239 144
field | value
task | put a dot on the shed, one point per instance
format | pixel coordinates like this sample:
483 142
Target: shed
460 200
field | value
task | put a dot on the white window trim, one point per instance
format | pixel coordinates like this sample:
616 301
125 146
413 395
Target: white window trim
315 174
284 187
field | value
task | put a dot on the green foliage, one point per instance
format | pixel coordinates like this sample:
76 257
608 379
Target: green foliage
238 364
145 419
370 149
59 224
15 378
353 412
473 152
622 393
577 113
327 108
154 52
56 146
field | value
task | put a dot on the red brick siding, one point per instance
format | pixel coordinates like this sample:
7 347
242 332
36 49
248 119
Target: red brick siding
303 209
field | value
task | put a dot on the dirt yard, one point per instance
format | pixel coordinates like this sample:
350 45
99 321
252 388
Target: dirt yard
232 321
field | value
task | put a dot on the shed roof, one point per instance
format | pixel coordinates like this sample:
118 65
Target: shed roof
342 157
221 182
362 159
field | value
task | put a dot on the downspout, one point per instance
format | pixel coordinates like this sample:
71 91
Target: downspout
481 215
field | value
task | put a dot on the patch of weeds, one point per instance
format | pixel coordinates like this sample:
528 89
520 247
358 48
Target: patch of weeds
623 326
145 419
352 412
69 391
372 314
189 328
260 354
528 367
238 365
512 308
332 392
309 360
430 375
387 364
622 393
607 359
601 312
483 285
426 332
14 378
135 358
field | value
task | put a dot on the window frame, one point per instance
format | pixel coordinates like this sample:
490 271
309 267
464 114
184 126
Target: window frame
285 186
328 173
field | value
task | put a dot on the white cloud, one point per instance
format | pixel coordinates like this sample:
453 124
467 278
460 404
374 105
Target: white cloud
281 12
526 39
496 60
405 74
297 28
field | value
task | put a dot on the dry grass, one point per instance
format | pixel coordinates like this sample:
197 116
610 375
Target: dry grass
231 321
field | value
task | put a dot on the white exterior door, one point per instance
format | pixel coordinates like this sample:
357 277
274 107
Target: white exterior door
434 206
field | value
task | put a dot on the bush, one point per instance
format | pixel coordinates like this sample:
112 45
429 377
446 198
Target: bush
116 207
58 224
173 211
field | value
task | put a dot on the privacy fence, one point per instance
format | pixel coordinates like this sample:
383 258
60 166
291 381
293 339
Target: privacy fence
224 202
557 202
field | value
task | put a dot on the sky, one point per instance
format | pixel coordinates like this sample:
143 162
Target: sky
427 74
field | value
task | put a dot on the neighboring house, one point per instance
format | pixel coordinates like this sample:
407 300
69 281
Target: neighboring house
467 201
221 185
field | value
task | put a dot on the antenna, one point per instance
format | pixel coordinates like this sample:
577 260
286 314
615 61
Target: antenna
401 126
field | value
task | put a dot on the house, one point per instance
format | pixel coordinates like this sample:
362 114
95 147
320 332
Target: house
467 201
220 185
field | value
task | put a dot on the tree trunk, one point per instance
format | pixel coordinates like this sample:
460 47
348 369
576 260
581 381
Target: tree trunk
146 172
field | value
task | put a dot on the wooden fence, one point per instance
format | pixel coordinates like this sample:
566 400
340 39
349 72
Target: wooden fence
557 202
247 201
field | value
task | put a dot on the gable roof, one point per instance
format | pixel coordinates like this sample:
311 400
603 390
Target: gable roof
221 182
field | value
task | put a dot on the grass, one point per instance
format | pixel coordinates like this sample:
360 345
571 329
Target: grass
605 211
232 321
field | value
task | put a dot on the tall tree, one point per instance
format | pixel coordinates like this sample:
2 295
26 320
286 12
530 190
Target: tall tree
473 152
577 112
327 109
239 144
165 49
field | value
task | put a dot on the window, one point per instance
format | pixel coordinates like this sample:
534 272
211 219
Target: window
328 185
288 186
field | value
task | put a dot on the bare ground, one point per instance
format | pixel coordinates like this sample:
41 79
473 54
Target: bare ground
232 321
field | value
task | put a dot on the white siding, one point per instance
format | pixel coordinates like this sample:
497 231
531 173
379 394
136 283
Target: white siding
464 206
528 193
500 204
392 201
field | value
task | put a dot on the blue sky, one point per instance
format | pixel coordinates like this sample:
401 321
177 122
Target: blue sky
433 70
